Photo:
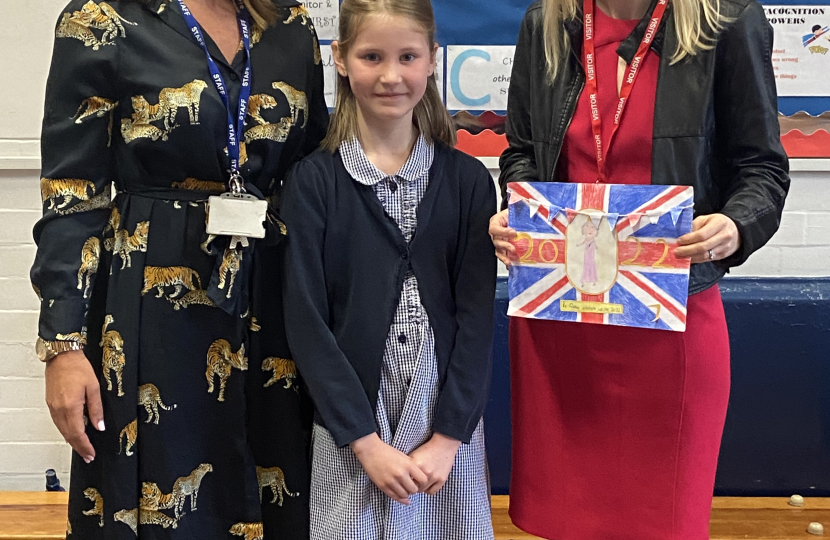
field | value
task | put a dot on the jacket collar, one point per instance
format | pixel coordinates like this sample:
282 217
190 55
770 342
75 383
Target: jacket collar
627 48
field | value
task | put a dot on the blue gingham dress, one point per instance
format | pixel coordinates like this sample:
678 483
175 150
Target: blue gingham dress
345 504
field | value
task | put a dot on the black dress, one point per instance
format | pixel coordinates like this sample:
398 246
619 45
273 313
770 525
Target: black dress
207 425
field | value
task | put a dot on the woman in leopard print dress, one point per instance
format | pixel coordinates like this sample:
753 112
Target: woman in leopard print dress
180 401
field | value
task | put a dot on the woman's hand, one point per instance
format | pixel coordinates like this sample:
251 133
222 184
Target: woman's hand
70 384
395 473
436 458
501 235
713 237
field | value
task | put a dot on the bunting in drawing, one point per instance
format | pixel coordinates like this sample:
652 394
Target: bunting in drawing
599 253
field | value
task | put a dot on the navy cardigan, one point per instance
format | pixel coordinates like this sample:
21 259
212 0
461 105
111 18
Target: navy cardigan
345 265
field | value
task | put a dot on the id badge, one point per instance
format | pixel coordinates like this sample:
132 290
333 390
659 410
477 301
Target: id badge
236 215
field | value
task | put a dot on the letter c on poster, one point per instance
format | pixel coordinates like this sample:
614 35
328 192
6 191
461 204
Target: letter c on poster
455 74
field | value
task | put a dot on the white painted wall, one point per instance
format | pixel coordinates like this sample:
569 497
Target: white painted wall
29 443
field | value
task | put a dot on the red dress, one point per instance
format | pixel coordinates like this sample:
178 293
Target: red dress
616 430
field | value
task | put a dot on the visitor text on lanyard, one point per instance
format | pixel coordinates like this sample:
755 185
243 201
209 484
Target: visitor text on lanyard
235 130
627 83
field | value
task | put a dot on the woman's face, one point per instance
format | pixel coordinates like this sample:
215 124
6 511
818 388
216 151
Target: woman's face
388 66
589 231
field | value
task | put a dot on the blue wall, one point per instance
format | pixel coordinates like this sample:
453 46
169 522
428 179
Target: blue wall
777 435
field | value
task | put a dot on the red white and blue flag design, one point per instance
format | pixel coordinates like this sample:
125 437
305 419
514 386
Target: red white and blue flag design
600 253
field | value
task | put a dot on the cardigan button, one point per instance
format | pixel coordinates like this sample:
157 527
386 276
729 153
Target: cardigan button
404 255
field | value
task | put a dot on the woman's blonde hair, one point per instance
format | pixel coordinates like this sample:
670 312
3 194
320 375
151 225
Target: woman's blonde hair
430 116
264 12
697 22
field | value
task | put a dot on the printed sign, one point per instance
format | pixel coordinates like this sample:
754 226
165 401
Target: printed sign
801 49
600 253
478 77
325 14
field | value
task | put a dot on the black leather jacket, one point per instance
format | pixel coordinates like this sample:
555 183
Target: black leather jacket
715 121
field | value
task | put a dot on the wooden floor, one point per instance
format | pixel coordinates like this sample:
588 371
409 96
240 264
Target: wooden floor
42 516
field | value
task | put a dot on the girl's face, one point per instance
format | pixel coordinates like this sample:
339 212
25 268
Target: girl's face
388 65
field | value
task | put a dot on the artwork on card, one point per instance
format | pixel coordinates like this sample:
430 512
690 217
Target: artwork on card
600 253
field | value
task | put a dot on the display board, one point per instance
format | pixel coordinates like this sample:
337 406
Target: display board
478 41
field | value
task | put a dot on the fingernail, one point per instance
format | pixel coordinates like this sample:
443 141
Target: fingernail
101 426
89 459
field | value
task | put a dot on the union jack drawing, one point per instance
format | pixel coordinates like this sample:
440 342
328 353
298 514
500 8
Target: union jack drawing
600 253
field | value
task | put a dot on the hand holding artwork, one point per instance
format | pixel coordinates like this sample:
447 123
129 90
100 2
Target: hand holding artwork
715 234
395 473
71 383
501 235
436 458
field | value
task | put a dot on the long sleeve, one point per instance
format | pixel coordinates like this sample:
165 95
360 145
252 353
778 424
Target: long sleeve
748 131
467 387
518 161
76 176
334 384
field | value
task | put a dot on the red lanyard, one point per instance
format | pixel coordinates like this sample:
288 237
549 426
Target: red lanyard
627 84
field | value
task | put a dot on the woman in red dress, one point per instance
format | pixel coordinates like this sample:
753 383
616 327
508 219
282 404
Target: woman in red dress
616 430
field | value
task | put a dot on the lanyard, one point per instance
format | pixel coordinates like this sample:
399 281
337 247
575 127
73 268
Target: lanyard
628 80
237 184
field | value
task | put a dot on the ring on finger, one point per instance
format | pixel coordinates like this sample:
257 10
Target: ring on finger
711 254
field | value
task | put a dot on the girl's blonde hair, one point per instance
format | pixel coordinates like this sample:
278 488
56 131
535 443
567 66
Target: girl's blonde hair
697 23
430 116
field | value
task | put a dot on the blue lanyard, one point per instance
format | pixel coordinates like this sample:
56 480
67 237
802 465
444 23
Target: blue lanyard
234 131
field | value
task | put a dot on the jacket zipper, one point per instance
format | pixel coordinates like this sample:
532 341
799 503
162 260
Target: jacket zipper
567 126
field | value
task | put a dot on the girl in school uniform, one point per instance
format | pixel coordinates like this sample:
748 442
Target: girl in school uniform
390 285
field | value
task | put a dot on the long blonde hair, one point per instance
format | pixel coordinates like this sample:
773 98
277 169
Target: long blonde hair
697 22
430 116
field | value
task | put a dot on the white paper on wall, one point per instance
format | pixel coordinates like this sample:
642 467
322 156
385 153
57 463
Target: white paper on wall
326 17
801 49
478 77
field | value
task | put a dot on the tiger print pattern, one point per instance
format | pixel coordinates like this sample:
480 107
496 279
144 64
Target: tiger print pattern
129 518
113 224
197 297
150 397
159 277
220 363
257 103
70 28
198 185
188 486
297 101
273 478
79 337
129 435
152 498
99 107
98 509
298 13
123 244
98 202
67 189
283 368
249 531
231 264
102 17
90 257
114 359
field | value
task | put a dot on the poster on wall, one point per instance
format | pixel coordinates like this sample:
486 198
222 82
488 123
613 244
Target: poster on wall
325 14
599 253
801 49
478 77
